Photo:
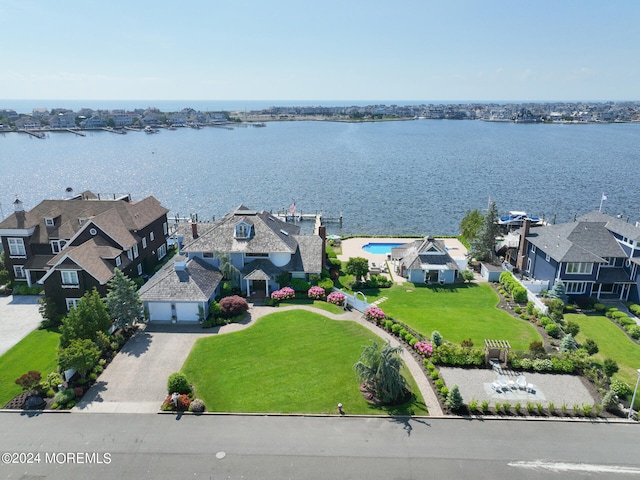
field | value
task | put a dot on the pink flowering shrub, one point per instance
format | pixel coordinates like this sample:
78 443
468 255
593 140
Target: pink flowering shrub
374 314
336 298
424 349
317 293
283 294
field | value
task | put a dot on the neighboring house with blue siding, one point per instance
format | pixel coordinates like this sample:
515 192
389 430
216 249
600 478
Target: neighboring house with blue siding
597 255
425 261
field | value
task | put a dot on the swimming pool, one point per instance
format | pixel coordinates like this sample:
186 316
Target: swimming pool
380 248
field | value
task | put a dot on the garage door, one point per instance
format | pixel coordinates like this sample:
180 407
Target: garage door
187 312
159 311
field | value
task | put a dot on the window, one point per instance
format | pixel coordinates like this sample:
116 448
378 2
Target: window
579 268
547 258
259 255
575 287
49 222
118 261
207 254
533 249
16 247
130 254
71 303
164 228
57 245
162 251
18 272
243 230
135 251
139 269
144 242
529 265
151 236
69 277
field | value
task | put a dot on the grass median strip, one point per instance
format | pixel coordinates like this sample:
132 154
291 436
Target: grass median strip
288 362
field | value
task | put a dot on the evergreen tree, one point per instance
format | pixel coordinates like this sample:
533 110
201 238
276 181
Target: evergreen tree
568 343
558 291
123 301
454 398
379 368
85 320
483 247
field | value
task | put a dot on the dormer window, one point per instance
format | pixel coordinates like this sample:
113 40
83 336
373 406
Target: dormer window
243 230
49 222
57 245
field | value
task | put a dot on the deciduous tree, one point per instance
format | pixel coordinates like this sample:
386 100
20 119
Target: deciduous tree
470 224
80 355
358 267
84 321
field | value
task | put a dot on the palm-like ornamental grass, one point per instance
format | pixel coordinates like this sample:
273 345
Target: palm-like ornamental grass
379 369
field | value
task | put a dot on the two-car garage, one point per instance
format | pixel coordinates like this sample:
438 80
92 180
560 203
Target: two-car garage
180 311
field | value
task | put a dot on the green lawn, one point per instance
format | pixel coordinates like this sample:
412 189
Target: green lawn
612 343
288 362
457 311
37 351
321 304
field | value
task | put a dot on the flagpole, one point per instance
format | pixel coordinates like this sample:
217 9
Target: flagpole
601 200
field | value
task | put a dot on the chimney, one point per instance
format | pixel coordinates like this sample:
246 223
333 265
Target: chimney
68 192
322 232
522 248
17 205
194 229
179 263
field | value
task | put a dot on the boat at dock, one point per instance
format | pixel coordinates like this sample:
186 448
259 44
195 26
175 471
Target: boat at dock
517 219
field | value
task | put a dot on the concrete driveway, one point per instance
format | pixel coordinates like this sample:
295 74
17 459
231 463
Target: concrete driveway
136 380
18 317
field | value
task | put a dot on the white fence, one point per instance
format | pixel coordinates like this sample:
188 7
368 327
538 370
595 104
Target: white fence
357 300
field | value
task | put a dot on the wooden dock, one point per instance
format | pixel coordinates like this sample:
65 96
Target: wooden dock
34 133
318 218
77 132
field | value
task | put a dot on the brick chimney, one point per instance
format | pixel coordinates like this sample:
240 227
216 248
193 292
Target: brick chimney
322 232
522 248
194 229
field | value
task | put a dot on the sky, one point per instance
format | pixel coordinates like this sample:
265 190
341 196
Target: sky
444 50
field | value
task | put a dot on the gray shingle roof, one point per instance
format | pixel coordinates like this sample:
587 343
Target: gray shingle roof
613 224
197 282
424 253
584 242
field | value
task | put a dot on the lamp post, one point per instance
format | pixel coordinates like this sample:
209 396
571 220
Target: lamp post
635 390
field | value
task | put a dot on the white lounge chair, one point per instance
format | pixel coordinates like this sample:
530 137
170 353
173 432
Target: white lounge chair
521 382
506 383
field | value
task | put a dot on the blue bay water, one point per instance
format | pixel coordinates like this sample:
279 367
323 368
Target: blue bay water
393 178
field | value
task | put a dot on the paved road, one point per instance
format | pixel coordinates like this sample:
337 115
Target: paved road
19 315
259 447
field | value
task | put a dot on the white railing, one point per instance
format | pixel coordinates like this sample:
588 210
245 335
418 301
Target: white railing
354 301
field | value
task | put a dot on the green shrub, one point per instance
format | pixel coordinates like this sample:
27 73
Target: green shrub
436 338
544 321
434 374
610 367
572 328
388 325
599 307
587 409
327 284
540 408
610 401
519 294
396 328
178 382
530 408
518 408
473 405
610 311
439 383
635 309
590 346
626 321
64 397
517 310
484 406
552 408
444 391
300 285
553 330
537 348
621 388
506 408
634 331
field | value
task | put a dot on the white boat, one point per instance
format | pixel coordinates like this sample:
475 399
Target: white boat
516 219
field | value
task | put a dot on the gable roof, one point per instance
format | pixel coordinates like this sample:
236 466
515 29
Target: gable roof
613 224
425 254
67 214
578 242
197 282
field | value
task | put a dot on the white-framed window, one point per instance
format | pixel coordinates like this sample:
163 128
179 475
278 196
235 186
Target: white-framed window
49 222
71 303
69 277
575 287
547 258
118 261
579 268
16 247
57 245
243 230
151 236
19 273
139 269
135 251
529 265
144 242
165 228
533 249
130 254
162 251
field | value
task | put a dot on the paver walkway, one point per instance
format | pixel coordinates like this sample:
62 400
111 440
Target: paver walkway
135 381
